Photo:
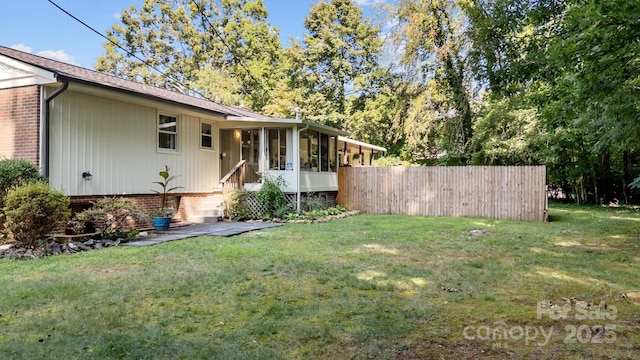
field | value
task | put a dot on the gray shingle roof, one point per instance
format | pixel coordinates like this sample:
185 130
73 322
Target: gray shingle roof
80 74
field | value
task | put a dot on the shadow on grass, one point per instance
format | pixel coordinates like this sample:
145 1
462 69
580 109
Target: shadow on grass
558 217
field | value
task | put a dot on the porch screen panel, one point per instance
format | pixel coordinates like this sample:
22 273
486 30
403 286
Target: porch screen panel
314 151
333 150
274 149
324 152
277 148
289 151
304 150
251 153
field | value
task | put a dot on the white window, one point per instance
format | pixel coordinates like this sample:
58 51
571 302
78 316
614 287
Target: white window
167 132
206 135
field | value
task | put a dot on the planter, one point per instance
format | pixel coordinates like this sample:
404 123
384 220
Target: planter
161 223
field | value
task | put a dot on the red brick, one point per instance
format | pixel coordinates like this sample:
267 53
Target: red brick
20 123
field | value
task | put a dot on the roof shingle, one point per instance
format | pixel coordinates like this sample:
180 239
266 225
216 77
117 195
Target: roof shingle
80 74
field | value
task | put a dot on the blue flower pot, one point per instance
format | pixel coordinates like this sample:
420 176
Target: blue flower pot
161 223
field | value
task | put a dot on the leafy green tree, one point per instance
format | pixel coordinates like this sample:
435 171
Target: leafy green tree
223 49
575 63
588 86
339 52
507 132
437 116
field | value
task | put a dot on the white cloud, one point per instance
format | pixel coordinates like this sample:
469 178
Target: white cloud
365 2
21 47
59 55
117 16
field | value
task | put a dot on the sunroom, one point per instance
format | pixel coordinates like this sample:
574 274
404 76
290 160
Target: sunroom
304 154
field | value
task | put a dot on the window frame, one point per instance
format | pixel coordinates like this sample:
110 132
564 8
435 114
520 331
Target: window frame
176 133
202 135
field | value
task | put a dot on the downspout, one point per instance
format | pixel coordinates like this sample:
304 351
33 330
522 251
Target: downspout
298 202
47 121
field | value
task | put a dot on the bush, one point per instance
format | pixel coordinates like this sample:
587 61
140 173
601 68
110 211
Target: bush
14 173
391 161
237 205
313 202
34 211
271 195
110 218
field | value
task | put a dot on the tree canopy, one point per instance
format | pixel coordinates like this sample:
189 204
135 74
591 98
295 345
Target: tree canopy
496 82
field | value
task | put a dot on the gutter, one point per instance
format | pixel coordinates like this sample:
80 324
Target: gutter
297 159
47 122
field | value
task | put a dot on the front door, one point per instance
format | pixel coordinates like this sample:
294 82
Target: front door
229 150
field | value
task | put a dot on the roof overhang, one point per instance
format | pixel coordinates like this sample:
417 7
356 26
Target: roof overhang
129 92
15 73
360 143
299 122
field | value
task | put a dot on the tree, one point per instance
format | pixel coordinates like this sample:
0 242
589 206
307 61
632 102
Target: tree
576 64
508 132
224 50
372 114
339 52
437 117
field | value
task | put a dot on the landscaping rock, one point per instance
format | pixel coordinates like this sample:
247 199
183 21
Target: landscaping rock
83 247
11 251
55 249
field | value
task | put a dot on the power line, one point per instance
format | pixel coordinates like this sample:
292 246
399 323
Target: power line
224 42
144 62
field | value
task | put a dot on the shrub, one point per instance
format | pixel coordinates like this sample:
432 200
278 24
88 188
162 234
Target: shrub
110 217
34 211
16 172
313 202
237 205
391 161
271 195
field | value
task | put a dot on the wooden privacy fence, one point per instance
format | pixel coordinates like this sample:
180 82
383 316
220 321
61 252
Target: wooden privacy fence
502 192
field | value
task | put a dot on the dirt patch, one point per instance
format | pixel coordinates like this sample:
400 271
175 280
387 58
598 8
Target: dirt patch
478 232
464 350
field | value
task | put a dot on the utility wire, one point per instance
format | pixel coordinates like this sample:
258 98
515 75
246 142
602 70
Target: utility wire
144 62
224 42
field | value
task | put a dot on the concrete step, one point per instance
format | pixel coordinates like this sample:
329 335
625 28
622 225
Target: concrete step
209 210
203 219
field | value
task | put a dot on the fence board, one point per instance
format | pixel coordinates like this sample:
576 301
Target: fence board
503 192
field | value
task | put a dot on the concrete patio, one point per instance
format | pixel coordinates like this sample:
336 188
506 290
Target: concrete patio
192 230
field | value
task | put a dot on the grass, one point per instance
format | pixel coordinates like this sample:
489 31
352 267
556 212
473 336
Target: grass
361 287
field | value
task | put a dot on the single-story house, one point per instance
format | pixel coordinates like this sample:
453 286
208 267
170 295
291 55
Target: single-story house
96 135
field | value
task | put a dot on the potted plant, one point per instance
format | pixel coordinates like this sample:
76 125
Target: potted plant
161 218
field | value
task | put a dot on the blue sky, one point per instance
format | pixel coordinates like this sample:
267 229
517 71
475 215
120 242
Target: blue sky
38 27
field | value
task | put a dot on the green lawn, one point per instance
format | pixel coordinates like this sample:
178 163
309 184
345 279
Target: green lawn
361 287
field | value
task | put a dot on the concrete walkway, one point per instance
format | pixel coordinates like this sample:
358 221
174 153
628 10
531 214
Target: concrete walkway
193 230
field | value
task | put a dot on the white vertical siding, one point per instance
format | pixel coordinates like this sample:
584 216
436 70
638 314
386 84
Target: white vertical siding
116 142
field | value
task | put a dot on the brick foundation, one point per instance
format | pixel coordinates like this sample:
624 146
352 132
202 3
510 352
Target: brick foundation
187 204
20 123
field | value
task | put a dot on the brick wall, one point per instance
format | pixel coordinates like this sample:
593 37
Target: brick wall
187 204
20 123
